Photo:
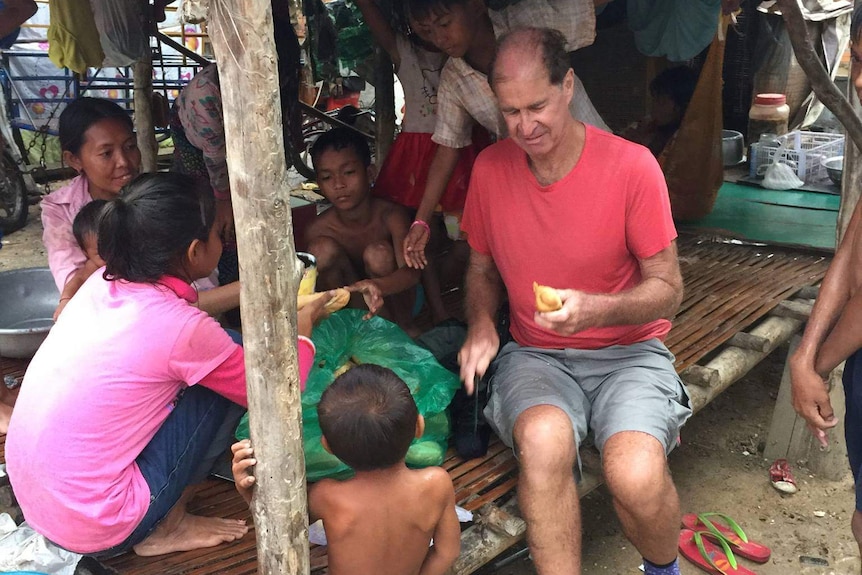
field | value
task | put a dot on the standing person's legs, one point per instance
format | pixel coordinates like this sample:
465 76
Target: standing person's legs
197 432
853 435
637 411
536 406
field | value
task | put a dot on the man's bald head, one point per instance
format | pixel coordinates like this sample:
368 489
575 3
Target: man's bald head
544 47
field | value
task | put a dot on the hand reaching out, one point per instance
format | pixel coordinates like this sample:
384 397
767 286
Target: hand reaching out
414 245
370 293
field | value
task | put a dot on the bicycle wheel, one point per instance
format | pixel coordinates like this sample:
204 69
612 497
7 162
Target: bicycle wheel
13 196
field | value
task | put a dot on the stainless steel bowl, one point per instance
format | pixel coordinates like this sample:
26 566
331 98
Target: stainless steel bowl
732 147
28 298
835 168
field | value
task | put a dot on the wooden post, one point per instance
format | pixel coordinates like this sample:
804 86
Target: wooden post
242 35
851 177
827 93
143 77
384 97
789 437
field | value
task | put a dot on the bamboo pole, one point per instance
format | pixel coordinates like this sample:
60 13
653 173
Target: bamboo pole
832 98
242 35
143 92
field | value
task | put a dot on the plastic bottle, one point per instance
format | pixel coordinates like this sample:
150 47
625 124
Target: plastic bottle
769 114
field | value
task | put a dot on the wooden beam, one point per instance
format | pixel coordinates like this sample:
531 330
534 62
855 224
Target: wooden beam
242 35
808 292
143 80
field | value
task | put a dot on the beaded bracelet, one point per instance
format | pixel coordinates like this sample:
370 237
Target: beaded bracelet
422 223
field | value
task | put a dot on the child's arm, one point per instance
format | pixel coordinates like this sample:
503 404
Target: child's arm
243 461
219 299
380 29
74 284
442 166
447 533
844 339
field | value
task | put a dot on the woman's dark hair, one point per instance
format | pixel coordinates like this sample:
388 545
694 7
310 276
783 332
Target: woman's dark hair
340 139
856 24
145 233
421 9
677 83
368 417
82 113
87 221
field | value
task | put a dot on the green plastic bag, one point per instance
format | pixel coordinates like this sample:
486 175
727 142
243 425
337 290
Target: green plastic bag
345 336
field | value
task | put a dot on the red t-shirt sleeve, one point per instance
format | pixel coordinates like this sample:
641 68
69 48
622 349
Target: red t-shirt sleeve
649 223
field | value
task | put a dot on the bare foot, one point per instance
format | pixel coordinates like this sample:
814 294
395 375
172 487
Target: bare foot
5 416
190 532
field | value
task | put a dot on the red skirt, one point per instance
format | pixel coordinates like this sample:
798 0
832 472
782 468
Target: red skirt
404 173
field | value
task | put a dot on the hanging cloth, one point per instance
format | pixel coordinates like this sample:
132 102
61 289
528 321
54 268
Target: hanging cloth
73 40
691 161
677 29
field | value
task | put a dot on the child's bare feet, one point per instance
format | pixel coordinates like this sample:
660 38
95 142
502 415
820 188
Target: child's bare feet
187 532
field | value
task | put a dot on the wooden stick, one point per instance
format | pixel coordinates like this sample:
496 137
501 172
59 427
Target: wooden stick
242 35
143 91
700 376
793 309
749 341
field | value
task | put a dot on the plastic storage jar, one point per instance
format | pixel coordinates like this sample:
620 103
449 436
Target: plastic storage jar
768 115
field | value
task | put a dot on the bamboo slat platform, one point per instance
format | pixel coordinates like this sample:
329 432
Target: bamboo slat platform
728 289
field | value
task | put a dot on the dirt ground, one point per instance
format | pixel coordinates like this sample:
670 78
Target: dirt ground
719 467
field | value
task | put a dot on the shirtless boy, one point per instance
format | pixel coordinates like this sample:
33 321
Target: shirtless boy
358 243
383 519
85 228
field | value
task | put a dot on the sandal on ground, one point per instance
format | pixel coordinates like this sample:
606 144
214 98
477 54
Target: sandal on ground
712 559
729 530
781 477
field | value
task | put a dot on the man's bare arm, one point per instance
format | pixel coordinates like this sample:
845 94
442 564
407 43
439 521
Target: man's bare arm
484 293
658 295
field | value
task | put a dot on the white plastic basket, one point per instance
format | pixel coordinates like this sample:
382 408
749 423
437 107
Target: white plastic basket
804 151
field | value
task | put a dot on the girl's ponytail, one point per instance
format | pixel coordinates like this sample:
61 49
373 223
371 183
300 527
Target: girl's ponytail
145 233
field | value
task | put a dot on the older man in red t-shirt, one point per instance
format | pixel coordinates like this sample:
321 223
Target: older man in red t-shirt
569 206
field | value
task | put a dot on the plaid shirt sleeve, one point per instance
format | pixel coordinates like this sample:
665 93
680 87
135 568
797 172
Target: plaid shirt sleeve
454 124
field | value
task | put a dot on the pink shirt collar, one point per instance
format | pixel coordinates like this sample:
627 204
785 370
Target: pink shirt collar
180 287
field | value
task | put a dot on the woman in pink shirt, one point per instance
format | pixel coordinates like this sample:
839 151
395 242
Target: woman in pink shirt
135 392
98 140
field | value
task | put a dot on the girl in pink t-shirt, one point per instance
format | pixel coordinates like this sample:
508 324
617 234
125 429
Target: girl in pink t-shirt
136 392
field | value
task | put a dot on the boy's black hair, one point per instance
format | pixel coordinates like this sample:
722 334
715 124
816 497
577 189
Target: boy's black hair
144 234
82 113
856 24
340 139
368 417
549 43
422 9
677 83
86 223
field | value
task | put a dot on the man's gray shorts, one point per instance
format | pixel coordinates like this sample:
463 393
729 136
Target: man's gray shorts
606 391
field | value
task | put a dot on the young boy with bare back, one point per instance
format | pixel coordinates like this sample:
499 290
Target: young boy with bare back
358 242
382 520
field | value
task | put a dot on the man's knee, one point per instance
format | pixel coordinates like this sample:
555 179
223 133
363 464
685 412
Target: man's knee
326 251
379 259
635 465
545 442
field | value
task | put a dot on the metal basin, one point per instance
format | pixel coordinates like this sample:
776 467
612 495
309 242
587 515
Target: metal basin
835 168
28 298
732 148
